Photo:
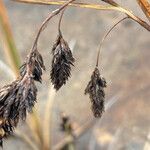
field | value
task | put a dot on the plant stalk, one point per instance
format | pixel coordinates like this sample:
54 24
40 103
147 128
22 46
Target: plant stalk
51 15
105 36
60 20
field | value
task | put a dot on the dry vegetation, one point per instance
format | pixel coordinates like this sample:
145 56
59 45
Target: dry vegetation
19 97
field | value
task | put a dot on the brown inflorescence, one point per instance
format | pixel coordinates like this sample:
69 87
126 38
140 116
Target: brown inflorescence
95 89
36 61
19 97
61 63
15 100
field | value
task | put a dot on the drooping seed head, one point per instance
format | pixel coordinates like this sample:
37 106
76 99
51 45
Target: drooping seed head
61 63
17 98
95 89
37 63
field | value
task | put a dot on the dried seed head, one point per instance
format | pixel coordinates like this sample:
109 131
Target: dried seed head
95 89
37 63
6 129
98 108
17 98
26 96
7 98
61 63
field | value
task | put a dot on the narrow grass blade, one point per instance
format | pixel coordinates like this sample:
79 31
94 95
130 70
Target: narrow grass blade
47 121
92 6
7 40
18 134
145 5
34 125
75 4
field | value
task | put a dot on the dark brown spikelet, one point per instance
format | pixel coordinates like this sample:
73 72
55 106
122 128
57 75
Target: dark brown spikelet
17 98
7 100
95 89
37 63
6 129
26 96
61 63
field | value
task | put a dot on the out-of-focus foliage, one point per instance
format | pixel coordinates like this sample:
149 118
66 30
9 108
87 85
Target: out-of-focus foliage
7 41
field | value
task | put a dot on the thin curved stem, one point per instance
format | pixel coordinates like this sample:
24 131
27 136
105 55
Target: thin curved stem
54 13
60 20
128 13
104 37
42 27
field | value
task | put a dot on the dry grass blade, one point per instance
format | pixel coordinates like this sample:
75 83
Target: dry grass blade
7 40
48 118
34 125
91 6
75 4
26 139
145 5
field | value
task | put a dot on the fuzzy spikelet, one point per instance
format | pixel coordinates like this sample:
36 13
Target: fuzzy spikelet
61 63
36 61
95 89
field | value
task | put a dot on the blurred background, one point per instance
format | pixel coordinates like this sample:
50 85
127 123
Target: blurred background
124 62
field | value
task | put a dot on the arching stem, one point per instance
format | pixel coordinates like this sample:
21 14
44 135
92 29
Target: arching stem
42 27
60 20
104 37
55 12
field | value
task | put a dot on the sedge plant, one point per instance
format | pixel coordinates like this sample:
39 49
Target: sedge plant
19 97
